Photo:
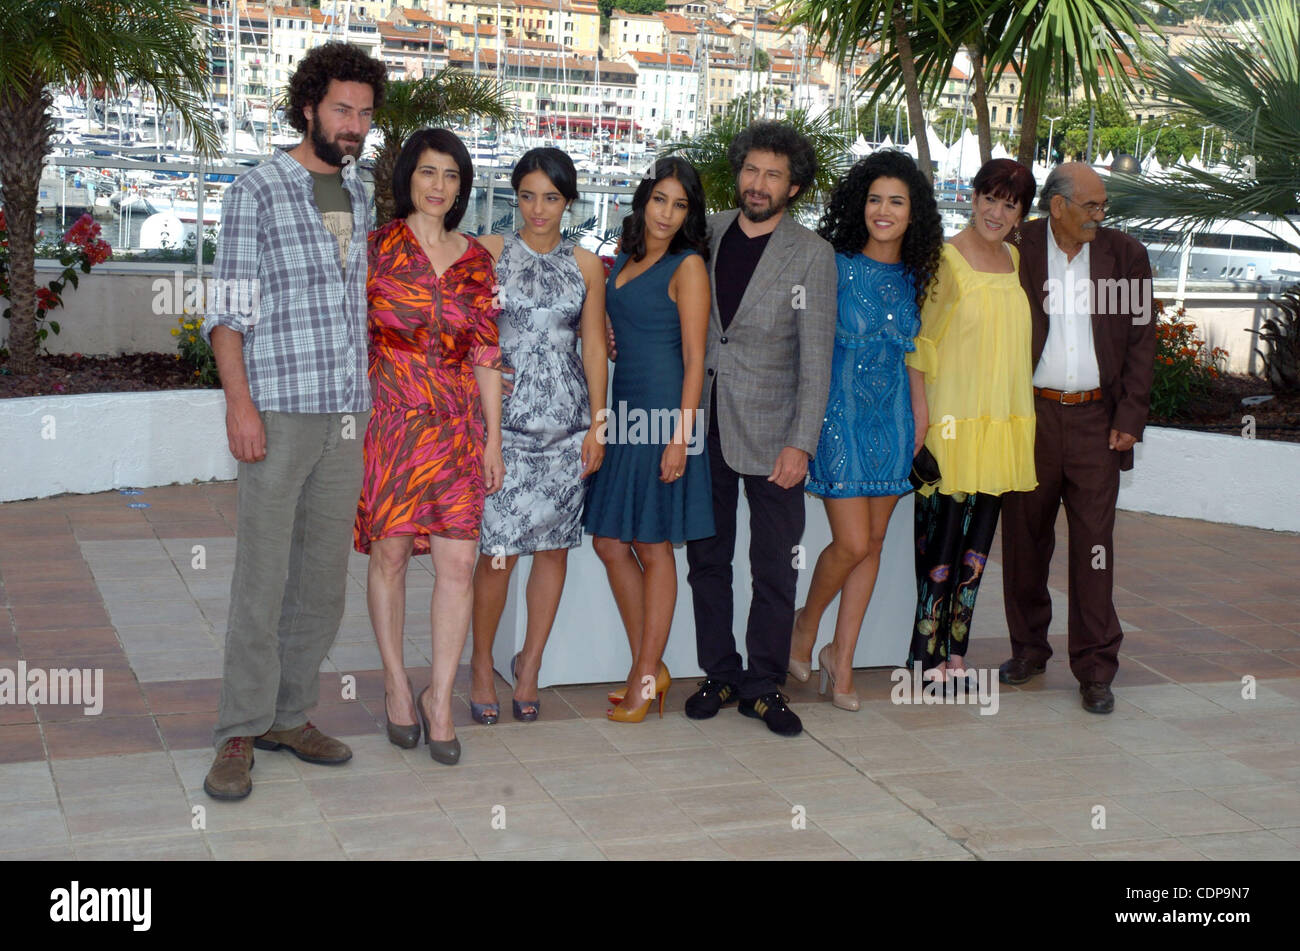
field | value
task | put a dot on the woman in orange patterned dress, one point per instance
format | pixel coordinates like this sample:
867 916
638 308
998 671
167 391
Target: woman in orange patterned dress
433 447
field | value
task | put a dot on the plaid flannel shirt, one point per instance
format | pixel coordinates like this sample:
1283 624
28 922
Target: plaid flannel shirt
305 334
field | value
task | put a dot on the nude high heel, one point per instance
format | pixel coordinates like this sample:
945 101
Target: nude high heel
845 701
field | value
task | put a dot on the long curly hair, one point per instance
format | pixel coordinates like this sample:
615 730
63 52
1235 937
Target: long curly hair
844 223
694 232
333 60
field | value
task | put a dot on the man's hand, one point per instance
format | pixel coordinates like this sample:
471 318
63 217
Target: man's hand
1121 442
791 467
609 339
245 432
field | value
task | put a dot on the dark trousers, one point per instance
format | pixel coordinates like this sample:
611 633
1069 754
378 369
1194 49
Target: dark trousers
952 548
776 522
1075 465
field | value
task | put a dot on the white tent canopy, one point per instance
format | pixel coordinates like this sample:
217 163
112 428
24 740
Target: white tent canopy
860 148
999 151
888 143
938 151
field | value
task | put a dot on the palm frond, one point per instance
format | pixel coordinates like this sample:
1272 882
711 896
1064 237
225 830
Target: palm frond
708 153
1252 95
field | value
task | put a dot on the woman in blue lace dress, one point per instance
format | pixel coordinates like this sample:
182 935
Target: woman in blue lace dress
551 292
885 227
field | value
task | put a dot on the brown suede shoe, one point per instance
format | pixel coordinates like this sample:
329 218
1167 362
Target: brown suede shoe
229 776
307 743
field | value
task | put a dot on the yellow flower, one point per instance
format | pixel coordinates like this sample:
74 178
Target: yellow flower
175 332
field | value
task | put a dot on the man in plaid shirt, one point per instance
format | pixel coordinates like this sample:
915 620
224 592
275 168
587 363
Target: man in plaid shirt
293 367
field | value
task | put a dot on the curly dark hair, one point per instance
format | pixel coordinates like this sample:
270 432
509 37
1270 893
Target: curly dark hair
333 60
781 138
844 223
693 234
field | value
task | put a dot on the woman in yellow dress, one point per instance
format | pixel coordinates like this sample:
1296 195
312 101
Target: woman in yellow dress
973 354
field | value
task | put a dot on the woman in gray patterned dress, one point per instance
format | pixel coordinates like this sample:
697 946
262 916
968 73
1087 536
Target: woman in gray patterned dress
550 292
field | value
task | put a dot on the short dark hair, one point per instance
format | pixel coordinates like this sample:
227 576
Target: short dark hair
694 232
783 139
334 60
445 143
554 164
1006 179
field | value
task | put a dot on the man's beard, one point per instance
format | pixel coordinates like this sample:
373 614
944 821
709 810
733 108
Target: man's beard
327 151
776 207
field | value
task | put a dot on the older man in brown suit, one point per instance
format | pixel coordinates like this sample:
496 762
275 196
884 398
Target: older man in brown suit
1094 342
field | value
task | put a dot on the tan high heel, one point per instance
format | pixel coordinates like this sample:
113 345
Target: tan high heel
662 680
624 714
845 701
798 669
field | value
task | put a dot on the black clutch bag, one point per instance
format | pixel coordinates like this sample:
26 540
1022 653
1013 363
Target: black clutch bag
925 469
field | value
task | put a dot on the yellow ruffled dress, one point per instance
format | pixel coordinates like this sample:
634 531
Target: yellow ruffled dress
976 353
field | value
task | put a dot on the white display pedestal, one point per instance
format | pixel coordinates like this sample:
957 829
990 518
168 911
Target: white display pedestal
589 645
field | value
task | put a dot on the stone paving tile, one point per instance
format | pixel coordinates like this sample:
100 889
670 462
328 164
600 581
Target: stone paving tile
412 836
184 847
517 828
26 782
309 841
1243 846
1186 813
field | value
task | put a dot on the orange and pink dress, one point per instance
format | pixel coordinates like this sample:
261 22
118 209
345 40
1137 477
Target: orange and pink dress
424 445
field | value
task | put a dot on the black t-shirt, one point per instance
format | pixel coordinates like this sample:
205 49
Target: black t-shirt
738 256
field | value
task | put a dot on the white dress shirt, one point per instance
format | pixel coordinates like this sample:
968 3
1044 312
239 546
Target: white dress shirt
1069 360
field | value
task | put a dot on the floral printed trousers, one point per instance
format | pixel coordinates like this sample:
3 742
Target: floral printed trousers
953 537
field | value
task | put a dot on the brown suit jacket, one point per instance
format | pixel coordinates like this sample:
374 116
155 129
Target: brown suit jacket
1123 321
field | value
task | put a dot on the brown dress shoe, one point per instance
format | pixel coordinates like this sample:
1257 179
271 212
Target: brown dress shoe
1097 697
307 743
229 776
1018 671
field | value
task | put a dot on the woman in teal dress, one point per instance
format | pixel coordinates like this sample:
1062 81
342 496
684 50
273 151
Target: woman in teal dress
653 490
885 227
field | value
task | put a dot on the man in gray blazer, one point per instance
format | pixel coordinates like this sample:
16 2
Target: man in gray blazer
768 365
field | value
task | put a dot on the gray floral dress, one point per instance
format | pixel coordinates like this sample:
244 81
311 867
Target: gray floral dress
543 422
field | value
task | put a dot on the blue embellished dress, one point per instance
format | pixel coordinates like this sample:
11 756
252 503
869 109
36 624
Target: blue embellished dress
867 435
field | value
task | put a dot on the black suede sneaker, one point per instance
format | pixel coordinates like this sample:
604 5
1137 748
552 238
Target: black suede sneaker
712 696
771 709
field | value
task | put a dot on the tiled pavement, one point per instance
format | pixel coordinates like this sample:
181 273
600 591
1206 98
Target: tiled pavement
1185 768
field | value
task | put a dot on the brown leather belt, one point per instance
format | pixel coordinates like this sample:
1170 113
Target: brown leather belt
1069 399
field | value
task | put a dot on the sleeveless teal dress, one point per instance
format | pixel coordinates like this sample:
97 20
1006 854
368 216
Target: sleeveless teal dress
626 500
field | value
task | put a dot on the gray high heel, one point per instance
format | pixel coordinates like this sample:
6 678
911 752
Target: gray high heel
399 734
446 752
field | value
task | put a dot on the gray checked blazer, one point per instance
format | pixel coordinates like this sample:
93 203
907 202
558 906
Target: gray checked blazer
773 366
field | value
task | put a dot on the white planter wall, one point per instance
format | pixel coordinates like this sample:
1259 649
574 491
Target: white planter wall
104 441
1216 478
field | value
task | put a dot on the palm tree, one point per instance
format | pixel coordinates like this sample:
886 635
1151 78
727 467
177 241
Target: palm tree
63 43
449 95
1250 93
1055 42
1050 43
708 153
841 27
